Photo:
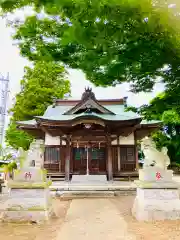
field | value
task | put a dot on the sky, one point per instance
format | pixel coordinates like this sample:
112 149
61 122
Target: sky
11 62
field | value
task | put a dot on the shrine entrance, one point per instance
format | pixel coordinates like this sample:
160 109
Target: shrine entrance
89 160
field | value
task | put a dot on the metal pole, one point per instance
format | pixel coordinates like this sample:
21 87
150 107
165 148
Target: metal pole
5 105
4 89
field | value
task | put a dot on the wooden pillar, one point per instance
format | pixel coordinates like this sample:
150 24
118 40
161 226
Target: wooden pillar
67 159
136 152
109 159
60 154
119 156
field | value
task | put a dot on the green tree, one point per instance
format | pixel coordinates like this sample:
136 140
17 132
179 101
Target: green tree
170 134
40 84
112 41
166 108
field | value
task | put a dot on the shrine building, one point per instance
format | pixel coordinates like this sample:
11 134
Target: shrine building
89 136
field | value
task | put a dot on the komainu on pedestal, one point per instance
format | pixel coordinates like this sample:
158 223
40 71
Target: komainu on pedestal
29 197
157 196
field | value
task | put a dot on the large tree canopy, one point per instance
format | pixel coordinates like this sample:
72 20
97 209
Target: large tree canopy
112 41
40 84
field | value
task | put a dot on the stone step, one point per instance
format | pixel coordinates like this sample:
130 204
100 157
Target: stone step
57 179
85 194
89 179
91 194
91 187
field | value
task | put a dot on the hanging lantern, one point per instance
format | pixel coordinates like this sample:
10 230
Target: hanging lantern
99 145
77 144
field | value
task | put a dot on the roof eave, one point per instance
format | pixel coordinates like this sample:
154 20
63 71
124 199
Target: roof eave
42 119
154 124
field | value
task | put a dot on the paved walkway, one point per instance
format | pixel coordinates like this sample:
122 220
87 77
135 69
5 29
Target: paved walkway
94 219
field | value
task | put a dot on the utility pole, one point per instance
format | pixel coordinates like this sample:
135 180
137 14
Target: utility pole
4 92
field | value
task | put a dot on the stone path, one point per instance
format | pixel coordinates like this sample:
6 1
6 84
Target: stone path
94 219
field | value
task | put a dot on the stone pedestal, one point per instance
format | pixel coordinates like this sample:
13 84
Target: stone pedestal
29 198
157 196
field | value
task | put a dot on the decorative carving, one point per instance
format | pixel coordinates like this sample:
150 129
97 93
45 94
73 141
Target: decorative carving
88 94
87 104
153 157
86 121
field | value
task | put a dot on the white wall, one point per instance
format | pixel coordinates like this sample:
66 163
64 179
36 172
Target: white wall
129 140
49 140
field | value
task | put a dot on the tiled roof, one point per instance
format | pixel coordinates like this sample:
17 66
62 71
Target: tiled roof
108 117
58 110
56 114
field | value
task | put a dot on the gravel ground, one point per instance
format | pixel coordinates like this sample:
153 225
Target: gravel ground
36 232
91 217
160 230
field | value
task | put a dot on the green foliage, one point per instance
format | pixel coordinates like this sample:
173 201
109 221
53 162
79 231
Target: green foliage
12 166
17 138
39 86
8 168
6 154
160 139
171 117
112 41
165 107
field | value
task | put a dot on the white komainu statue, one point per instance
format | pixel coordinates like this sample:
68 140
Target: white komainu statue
33 157
153 157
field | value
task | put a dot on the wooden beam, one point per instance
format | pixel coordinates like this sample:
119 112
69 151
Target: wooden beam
141 133
53 132
37 133
45 130
89 138
88 132
126 131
